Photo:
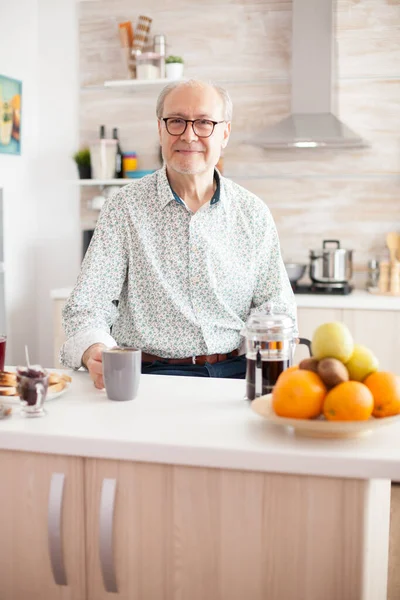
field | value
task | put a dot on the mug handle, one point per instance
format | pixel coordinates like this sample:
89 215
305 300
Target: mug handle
40 394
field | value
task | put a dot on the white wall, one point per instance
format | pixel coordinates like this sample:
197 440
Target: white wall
42 238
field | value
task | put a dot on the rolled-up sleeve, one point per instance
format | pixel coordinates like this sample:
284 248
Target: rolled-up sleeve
91 308
272 284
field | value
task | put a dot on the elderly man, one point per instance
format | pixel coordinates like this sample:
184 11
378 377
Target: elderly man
180 258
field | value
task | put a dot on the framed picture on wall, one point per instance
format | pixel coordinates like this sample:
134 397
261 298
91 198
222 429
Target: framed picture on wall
10 115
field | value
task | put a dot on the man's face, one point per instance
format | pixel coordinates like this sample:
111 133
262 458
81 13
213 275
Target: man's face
187 153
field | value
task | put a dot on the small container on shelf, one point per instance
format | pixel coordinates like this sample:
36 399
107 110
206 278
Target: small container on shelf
148 65
129 162
103 153
373 274
394 282
383 283
159 47
138 174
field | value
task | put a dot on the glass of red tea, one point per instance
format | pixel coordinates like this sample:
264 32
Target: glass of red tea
32 386
3 340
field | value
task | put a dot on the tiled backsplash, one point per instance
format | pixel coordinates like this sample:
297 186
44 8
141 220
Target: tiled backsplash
351 195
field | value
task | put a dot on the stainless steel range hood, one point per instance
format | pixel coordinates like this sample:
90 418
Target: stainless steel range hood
311 123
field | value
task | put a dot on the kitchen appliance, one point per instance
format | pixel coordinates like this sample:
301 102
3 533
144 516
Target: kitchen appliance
295 271
312 122
270 347
338 289
331 265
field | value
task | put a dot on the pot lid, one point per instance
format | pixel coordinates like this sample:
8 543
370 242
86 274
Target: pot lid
332 249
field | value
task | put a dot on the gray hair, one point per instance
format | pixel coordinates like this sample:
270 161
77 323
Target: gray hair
225 97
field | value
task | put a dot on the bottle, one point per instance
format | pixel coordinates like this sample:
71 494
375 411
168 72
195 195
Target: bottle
118 157
159 48
373 274
102 132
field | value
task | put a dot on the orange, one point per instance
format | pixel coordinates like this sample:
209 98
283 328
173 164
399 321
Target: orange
348 401
298 394
385 388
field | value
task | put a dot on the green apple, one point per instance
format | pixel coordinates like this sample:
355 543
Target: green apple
362 362
332 340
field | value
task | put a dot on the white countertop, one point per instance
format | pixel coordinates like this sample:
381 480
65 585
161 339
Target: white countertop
358 299
192 421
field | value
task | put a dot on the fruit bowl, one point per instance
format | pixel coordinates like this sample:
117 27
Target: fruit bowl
320 427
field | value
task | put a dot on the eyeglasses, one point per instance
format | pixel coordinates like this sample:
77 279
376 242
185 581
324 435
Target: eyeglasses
201 127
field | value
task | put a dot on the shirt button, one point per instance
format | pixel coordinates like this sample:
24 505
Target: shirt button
195 280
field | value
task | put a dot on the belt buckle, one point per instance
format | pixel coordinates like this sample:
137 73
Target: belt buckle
193 360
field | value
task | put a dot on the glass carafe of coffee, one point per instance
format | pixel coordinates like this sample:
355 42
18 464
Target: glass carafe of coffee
270 346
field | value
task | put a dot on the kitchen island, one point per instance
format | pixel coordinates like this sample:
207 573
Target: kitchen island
186 493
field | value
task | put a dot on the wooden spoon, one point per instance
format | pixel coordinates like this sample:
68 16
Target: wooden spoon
392 244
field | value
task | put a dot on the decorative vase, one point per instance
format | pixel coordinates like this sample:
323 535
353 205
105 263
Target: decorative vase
174 70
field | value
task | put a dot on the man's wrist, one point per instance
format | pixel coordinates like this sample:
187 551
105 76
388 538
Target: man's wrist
86 355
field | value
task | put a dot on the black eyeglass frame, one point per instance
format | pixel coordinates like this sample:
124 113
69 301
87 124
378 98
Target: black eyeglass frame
192 121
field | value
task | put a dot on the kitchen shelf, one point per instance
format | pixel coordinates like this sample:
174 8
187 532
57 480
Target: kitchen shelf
136 85
95 182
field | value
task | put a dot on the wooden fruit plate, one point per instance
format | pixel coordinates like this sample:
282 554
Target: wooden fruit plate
319 428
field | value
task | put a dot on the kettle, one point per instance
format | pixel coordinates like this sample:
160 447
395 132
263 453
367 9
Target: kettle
270 347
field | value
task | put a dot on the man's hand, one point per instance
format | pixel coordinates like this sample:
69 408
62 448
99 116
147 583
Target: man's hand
92 360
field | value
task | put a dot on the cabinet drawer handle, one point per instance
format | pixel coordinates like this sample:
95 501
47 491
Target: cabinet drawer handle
107 505
54 517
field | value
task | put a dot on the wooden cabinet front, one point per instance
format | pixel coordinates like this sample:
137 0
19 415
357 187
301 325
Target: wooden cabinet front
198 533
129 541
34 504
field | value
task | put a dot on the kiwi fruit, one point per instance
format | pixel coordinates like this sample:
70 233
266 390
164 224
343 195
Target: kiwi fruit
332 372
309 364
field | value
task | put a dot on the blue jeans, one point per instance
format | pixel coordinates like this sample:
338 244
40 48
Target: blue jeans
233 368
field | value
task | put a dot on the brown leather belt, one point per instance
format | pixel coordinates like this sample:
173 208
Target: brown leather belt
192 360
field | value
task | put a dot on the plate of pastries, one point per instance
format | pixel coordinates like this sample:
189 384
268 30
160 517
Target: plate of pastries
58 385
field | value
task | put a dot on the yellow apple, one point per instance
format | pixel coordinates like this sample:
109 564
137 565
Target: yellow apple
332 340
362 363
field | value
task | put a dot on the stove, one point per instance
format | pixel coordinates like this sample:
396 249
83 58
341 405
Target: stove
339 289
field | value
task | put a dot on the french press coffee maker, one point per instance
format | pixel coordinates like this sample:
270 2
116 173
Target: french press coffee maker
270 346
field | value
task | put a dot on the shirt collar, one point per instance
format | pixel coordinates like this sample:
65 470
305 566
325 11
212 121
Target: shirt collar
166 193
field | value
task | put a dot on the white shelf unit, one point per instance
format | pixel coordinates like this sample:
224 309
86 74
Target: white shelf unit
143 84
137 83
97 182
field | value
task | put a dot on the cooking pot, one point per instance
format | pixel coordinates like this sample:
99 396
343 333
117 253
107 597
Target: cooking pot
331 265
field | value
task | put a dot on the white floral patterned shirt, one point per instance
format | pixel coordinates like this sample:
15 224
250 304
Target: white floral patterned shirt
172 282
